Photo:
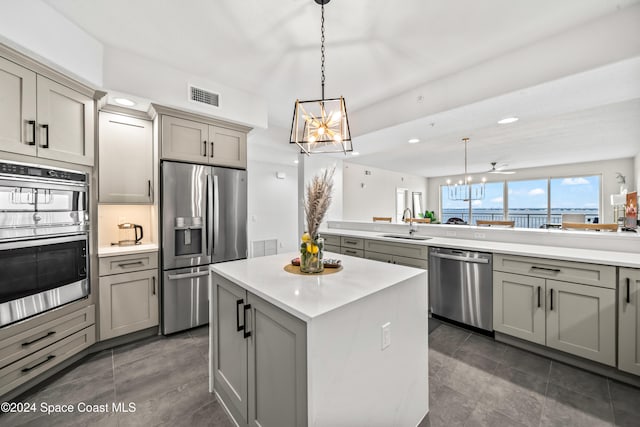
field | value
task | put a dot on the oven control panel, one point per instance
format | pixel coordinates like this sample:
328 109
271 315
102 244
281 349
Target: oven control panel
18 169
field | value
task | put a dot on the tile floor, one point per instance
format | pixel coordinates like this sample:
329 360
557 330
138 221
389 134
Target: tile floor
474 381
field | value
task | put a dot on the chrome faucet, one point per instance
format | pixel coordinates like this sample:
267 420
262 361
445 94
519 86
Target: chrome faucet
412 228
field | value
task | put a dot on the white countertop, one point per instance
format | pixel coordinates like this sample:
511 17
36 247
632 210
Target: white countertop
123 250
593 256
309 296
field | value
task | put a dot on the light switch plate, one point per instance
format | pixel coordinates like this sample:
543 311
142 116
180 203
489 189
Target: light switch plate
386 335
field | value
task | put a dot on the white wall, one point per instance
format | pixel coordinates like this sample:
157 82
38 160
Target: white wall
378 196
606 168
161 83
35 28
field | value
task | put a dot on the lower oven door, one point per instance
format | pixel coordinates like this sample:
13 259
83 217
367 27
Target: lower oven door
185 300
41 274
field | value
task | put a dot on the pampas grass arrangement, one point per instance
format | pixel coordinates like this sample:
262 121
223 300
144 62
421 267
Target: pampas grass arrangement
318 200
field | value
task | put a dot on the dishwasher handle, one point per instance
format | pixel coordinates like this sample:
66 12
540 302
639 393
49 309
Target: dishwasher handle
461 258
188 275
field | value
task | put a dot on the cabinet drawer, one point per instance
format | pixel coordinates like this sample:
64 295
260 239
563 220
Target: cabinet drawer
332 248
20 345
330 239
127 263
379 257
411 262
351 242
17 373
399 249
352 252
566 271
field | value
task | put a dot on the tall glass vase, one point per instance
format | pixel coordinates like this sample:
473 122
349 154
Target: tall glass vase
311 254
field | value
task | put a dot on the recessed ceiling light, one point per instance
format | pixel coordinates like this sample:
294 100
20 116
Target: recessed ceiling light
124 101
355 153
295 161
414 141
508 120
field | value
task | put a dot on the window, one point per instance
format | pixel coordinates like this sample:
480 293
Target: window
530 203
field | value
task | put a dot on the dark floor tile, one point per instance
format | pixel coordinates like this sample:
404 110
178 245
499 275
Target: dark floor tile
465 378
579 380
142 379
201 331
477 360
484 346
517 395
526 362
153 346
447 407
433 324
92 365
437 361
483 416
447 339
81 389
564 407
625 398
625 419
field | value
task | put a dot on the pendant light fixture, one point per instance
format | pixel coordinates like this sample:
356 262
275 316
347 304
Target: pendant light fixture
322 125
464 189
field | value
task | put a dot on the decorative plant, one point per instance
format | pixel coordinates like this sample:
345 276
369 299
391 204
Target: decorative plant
318 200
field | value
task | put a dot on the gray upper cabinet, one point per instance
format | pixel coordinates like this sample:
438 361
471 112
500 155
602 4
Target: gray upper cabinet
17 108
629 318
41 117
125 159
259 358
201 142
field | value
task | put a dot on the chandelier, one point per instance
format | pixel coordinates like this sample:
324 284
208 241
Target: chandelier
464 189
321 125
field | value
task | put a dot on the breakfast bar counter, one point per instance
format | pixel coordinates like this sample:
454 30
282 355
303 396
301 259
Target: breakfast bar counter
346 348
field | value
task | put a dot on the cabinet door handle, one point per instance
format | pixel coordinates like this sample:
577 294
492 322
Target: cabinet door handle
551 306
539 288
205 148
212 149
32 123
48 334
238 304
149 188
247 334
347 251
154 285
129 264
550 270
46 136
49 357
628 290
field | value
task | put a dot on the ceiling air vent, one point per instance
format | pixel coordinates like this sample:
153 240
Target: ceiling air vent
197 94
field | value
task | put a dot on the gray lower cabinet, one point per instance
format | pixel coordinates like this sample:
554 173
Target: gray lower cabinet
259 359
411 255
629 320
576 318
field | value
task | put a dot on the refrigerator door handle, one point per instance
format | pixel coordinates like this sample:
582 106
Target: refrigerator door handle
208 236
216 212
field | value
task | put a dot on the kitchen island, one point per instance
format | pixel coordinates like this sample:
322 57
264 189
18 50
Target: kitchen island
346 348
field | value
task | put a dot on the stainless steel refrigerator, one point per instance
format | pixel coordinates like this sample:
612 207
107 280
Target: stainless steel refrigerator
203 211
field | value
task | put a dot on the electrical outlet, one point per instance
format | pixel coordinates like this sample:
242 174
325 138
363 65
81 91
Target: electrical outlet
479 235
386 335
451 233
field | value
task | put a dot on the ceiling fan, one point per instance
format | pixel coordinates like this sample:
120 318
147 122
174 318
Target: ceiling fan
499 170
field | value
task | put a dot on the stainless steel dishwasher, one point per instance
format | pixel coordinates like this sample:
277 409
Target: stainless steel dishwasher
460 286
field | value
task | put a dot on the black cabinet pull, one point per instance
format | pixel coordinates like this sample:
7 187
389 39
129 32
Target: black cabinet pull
551 307
238 304
154 285
205 148
539 287
46 134
212 149
32 123
49 357
48 334
550 270
149 188
247 334
628 290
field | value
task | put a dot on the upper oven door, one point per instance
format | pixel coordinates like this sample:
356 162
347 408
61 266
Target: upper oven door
31 208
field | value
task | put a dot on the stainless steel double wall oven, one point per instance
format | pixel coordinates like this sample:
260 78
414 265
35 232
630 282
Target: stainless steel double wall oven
44 237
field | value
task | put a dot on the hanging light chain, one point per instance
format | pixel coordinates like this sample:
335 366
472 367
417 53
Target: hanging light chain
322 48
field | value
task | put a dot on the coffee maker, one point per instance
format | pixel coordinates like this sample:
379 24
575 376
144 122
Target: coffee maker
128 234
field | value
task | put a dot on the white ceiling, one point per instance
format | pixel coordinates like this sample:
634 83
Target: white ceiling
379 50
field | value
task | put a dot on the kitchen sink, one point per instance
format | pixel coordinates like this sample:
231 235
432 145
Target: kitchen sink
406 236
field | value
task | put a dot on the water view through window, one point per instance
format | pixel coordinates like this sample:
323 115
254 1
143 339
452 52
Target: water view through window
535 203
